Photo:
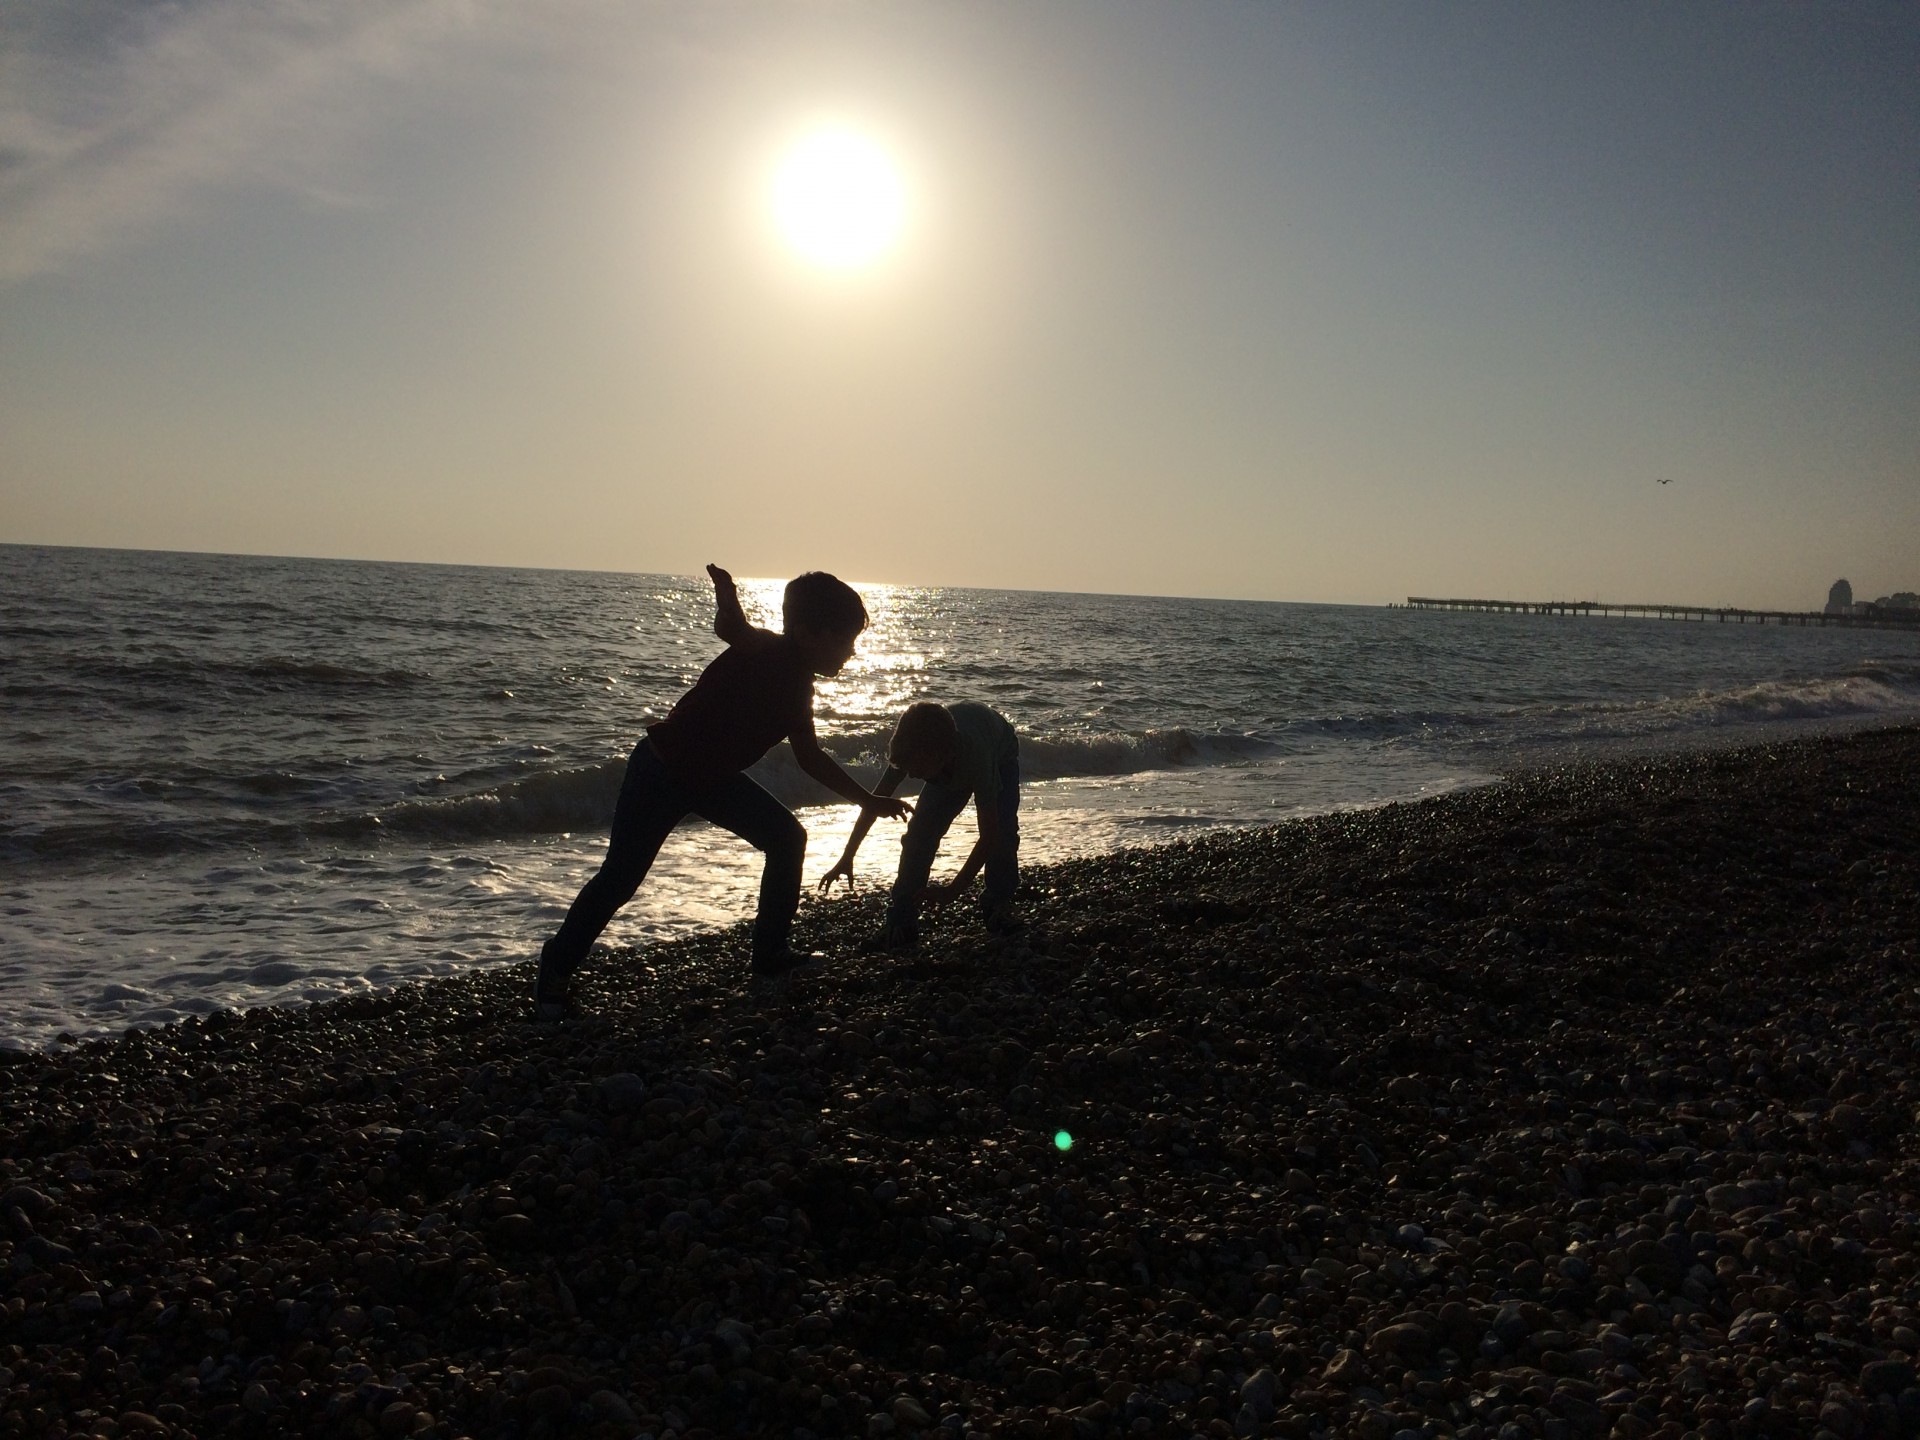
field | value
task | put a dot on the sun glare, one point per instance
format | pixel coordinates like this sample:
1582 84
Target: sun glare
838 198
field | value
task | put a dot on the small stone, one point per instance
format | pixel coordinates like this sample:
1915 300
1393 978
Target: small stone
1510 1327
1405 1343
1261 1393
1847 1119
909 1411
624 1091
609 1405
1345 1368
1044 1385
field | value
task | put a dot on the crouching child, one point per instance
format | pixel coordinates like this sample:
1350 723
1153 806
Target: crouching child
965 751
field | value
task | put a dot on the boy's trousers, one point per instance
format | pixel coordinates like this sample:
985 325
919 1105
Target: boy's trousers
933 814
651 803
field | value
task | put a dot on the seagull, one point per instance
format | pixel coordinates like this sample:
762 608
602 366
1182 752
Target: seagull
1663 482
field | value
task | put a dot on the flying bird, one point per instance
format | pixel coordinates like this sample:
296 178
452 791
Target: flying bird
1663 482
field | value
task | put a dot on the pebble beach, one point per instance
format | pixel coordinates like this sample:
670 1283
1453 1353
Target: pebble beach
1580 1105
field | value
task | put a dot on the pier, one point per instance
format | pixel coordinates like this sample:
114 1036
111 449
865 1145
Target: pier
1880 618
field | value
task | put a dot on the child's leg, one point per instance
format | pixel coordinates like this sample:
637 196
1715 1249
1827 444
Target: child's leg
1003 861
650 805
933 815
739 805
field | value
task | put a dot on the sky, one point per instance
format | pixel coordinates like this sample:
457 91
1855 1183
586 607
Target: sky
1321 302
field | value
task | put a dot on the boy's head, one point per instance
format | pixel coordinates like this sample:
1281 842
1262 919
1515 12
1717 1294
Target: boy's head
924 741
825 615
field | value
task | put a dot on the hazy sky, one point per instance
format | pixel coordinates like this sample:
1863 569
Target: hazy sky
1320 302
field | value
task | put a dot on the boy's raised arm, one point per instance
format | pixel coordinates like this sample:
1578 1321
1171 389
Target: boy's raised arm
729 620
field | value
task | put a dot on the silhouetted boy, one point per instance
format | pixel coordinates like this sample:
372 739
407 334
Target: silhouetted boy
758 692
962 752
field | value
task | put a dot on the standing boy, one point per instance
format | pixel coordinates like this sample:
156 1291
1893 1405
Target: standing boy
758 692
963 752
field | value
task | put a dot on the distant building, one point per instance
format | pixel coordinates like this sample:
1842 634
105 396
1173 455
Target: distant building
1840 598
1899 600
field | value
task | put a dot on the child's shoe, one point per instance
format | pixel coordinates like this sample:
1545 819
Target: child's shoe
777 964
552 1001
893 938
1002 924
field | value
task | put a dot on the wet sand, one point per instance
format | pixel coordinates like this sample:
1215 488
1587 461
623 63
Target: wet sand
1582 1105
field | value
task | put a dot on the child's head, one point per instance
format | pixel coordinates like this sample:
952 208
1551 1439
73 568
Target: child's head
924 741
826 615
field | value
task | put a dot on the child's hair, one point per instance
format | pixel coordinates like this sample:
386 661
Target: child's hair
819 601
925 727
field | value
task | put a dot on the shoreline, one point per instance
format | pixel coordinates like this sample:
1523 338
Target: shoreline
1581 1102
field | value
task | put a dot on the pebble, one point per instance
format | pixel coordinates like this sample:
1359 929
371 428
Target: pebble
1579 1105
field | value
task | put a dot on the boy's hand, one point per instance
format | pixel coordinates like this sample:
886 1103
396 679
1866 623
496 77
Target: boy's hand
721 579
844 867
890 806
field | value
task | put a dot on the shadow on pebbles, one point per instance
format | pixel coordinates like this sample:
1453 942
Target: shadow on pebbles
1579 1106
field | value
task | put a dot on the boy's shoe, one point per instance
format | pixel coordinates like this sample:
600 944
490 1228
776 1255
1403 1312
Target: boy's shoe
891 939
551 1001
1002 924
776 964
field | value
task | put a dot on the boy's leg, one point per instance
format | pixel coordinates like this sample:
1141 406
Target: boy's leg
740 805
650 805
1003 862
933 814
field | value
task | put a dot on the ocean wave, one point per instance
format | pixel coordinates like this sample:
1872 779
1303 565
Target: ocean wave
550 803
1174 748
1881 689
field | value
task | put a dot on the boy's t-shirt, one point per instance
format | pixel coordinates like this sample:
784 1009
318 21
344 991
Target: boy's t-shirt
755 694
986 744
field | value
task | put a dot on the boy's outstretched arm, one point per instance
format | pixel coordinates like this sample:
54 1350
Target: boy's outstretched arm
824 768
729 620
843 867
938 895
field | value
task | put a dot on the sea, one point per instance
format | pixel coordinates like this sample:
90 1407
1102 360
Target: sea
238 780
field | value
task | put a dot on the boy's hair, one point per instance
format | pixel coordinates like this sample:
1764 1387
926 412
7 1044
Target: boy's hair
819 601
925 727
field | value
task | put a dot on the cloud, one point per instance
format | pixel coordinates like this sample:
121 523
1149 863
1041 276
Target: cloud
117 114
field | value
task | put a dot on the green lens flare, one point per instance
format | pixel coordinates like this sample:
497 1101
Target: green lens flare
1062 1140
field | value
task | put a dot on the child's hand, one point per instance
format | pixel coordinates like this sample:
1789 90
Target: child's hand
722 581
843 868
937 894
890 806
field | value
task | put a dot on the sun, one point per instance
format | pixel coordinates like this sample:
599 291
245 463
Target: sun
838 198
